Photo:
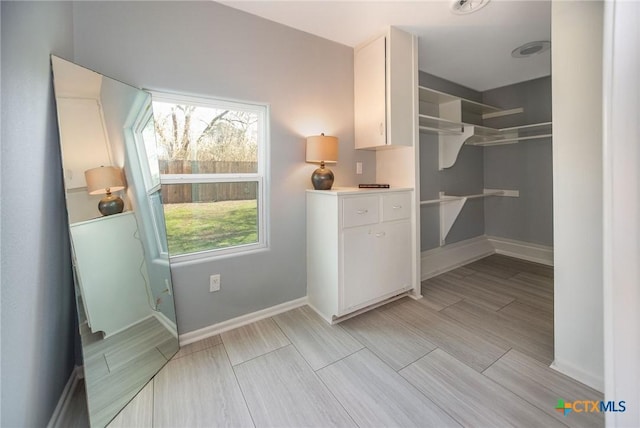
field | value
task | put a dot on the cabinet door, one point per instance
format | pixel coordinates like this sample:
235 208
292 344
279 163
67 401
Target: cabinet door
370 95
111 272
376 263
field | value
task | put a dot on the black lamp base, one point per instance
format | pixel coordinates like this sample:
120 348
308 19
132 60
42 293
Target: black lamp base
322 179
110 205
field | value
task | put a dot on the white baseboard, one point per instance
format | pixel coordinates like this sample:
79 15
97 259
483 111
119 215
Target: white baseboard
443 259
212 330
595 382
166 322
523 250
62 407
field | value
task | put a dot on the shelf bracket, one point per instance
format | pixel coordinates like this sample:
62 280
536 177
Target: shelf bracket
450 146
449 210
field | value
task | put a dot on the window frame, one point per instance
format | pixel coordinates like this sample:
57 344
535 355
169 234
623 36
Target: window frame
261 176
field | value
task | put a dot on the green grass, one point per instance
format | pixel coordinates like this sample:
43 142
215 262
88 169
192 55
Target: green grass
194 227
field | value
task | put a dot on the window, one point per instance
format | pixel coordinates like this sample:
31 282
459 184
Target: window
213 156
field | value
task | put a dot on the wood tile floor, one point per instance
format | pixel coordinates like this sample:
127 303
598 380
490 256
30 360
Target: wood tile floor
473 352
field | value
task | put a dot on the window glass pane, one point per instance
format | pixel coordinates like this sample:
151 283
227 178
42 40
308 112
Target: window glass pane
150 148
209 216
158 217
203 140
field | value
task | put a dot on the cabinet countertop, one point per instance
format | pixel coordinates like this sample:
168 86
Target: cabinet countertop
357 190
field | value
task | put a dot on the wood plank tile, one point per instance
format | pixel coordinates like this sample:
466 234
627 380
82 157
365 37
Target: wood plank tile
199 390
319 343
393 341
122 354
376 396
517 334
536 317
437 298
139 412
511 263
543 387
468 396
512 287
198 346
169 348
253 340
485 266
281 390
474 350
465 288
109 394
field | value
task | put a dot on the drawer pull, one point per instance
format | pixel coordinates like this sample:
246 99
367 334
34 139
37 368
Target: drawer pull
362 212
396 207
380 234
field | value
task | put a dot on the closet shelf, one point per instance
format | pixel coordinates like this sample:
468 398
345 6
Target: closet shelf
484 136
453 133
486 193
436 97
451 205
437 125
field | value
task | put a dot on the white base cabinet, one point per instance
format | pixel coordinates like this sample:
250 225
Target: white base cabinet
359 248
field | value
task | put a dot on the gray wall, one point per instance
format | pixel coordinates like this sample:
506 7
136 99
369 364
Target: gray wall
37 289
526 167
207 49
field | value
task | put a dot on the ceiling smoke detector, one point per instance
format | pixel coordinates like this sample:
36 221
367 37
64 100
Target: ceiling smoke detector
463 7
530 49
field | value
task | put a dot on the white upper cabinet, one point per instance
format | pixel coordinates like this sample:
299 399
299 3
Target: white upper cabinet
384 91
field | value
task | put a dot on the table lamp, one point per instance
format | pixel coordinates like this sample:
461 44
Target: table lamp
104 180
322 149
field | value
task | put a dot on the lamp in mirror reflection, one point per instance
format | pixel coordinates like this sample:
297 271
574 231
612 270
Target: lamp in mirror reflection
102 181
322 149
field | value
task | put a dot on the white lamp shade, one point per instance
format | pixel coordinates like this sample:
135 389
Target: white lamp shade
322 148
102 178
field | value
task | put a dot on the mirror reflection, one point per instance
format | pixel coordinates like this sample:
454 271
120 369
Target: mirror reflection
123 281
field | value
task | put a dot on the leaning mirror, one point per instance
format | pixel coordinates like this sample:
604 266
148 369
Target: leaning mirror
119 247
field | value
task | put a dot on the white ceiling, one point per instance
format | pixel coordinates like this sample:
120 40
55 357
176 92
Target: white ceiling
472 50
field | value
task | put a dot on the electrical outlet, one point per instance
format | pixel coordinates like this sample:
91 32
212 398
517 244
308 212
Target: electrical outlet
214 283
358 167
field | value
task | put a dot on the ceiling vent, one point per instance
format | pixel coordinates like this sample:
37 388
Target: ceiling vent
463 7
530 49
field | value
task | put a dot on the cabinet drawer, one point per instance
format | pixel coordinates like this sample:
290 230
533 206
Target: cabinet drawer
359 211
396 206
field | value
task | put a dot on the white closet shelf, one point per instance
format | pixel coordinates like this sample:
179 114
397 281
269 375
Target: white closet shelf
451 205
436 97
484 136
437 125
486 193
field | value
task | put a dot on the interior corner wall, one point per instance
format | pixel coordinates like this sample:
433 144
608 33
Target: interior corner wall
577 40
38 311
207 49
526 166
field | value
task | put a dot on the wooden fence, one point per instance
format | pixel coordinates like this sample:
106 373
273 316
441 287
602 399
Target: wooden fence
207 192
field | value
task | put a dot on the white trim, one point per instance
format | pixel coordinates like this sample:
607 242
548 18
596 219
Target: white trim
542 254
221 327
443 259
62 407
126 327
595 382
166 322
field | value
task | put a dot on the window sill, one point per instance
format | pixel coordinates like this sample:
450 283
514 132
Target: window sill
215 255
